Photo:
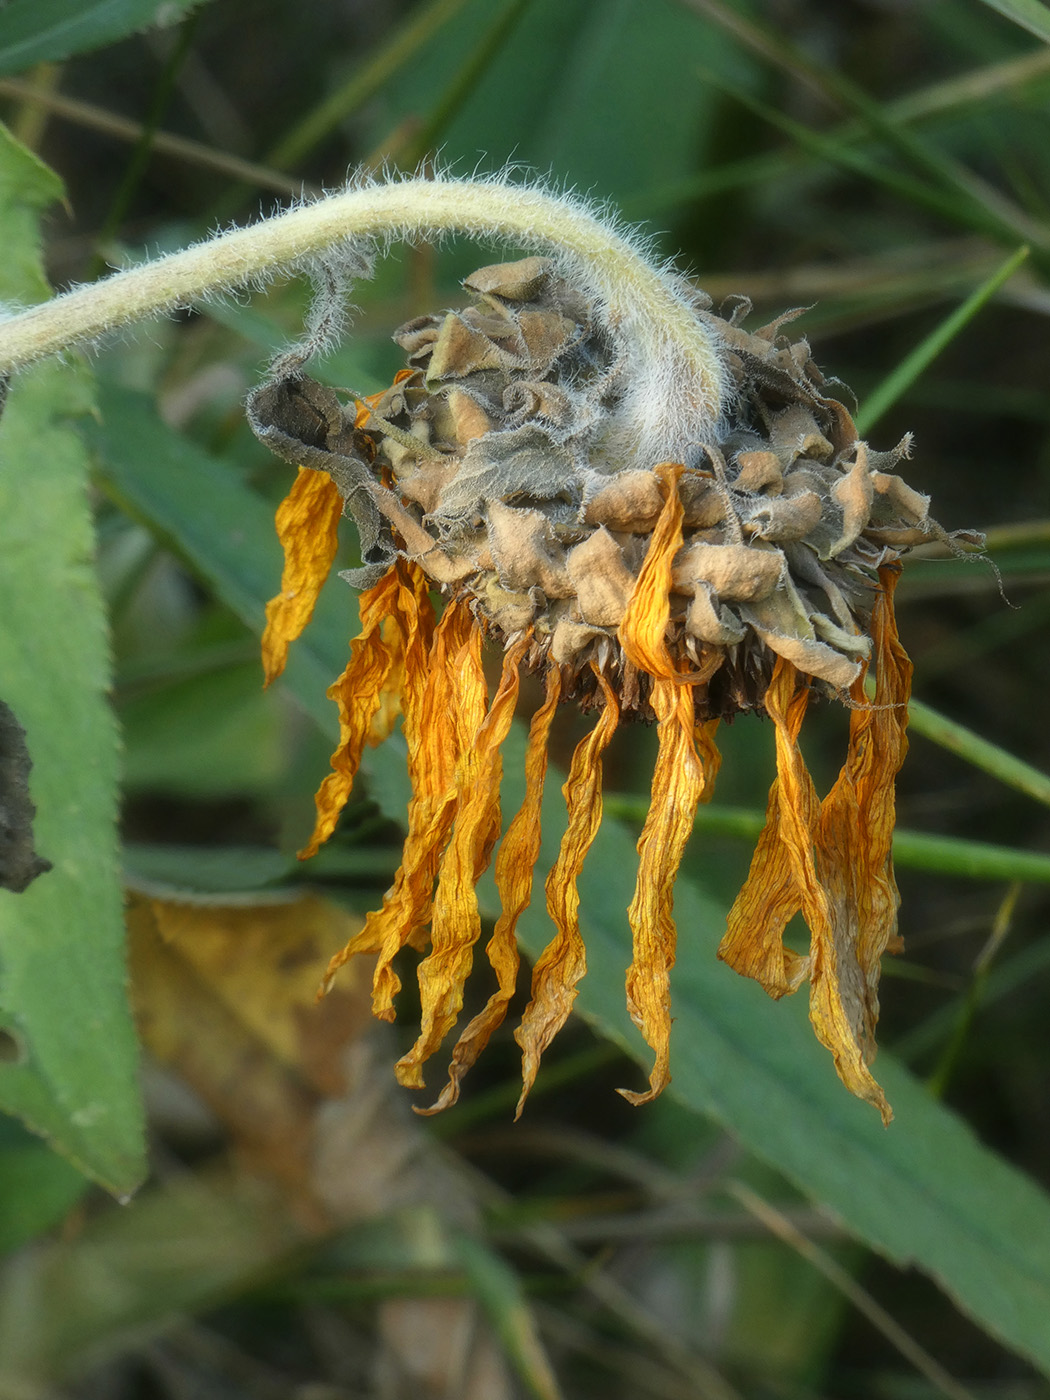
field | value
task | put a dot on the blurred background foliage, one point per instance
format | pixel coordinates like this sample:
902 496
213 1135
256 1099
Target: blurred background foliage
302 1234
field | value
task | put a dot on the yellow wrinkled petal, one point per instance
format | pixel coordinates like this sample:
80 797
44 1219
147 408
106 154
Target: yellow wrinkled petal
853 846
642 632
829 931
788 874
564 961
307 521
515 867
433 723
679 781
753 944
456 921
710 756
392 612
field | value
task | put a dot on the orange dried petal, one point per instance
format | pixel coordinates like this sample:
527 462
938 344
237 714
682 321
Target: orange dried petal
831 861
827 915
515 866
564 961
434 731
392 613
642 631
307 521
679 781
799 814
710 755
425 656
753 943
456 920
853 845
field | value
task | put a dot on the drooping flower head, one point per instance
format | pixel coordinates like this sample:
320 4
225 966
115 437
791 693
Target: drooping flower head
757 574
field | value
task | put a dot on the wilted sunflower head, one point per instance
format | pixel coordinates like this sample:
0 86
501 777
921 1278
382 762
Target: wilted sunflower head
500 471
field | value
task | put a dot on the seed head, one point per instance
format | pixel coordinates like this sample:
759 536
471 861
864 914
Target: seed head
505 469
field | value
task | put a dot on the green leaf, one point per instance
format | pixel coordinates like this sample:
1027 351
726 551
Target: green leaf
979 1227
924 1192
37 1187
535 100
27 187
62 994
215 874
171 871
1029 14
210 735
45 31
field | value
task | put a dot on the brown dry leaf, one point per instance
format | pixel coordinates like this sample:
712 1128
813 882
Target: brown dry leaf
264 963
226 997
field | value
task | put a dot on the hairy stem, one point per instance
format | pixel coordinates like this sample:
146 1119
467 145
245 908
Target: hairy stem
678 391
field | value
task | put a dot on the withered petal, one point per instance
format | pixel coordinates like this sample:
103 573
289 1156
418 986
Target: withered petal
514 871
390 615
564 961
753 942
643 631
855 832
307 521
433 732
679 782
836 999
456 921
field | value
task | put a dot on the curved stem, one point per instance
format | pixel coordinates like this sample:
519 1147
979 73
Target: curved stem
673 361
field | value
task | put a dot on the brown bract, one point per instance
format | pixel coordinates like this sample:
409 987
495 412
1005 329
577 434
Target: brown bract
754 577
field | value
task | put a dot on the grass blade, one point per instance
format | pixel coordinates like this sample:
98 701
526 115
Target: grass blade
900 379
1029 14
463 82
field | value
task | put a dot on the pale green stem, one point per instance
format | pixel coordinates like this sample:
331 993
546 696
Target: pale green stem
675 394
981 753
914 850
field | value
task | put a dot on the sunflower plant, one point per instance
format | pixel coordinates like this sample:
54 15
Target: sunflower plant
599 526
664 514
